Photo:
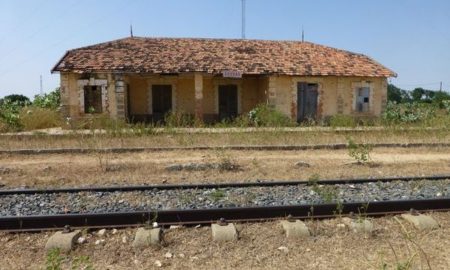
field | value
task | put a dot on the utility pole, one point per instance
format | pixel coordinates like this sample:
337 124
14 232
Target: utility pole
243 19
440 87
131 30
41 91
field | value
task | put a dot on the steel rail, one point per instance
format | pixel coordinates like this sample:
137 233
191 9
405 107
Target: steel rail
221 185
202 148
208 216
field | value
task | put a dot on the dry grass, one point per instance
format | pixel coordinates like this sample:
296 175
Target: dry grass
32 118
149 168
41 141
331 247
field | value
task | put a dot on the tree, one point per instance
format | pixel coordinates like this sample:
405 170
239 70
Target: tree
49 101
20 100
398 95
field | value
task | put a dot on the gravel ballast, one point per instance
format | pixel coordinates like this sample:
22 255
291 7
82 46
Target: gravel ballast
159 199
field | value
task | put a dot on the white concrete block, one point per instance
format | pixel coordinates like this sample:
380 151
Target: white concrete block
63 241
223 233
295 228
147 237
421 222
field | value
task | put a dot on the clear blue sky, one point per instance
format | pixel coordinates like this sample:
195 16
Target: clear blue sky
412 37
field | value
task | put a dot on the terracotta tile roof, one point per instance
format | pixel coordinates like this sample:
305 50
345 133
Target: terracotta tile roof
176 55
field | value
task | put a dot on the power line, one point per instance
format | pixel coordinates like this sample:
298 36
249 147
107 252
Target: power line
68 37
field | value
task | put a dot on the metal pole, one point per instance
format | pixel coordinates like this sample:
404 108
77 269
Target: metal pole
243 19
41 91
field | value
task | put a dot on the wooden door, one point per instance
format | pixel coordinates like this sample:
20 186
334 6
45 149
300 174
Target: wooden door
161 101
228 102
307 94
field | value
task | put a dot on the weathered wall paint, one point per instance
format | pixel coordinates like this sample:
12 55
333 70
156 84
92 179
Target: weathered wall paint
336 94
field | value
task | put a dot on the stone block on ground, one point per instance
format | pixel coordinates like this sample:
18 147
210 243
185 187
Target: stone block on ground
421 222
224 233
359 225
147 237
64 241
295 228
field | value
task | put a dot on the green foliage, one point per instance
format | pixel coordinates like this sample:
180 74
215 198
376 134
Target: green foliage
9 113
398 95
20 100
408 112
360 152
54 260
82 263
266 116
49 101
340 120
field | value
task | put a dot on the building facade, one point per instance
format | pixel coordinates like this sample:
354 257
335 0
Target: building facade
142 79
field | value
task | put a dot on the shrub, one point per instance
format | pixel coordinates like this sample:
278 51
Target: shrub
49 101
408 112
360 152
266 116
9 113
37 118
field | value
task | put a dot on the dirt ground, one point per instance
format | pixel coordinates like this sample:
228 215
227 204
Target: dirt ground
58 170
261 246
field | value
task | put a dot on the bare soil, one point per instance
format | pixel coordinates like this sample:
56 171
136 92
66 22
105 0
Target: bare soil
392 246
58 170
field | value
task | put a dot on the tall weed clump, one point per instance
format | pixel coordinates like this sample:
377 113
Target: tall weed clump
38 118
265 116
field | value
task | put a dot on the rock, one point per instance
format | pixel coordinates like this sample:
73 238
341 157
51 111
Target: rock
101 232
302 164
124 239
181 255
168 255
175 227
283 249
114 231
99 242
81 240
158 263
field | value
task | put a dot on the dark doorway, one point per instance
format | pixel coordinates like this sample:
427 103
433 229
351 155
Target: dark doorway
161 100
92 99
307 101
228 102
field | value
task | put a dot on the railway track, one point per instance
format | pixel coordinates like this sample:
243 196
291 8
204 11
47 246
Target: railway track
354 197
336 146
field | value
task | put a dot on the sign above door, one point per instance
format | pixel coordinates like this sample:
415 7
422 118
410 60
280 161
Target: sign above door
232 74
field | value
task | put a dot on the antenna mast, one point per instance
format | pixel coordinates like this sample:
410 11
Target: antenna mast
303 34
243 19
41 91
131 30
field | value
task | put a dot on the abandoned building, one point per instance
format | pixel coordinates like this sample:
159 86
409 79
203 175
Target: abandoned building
142 79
